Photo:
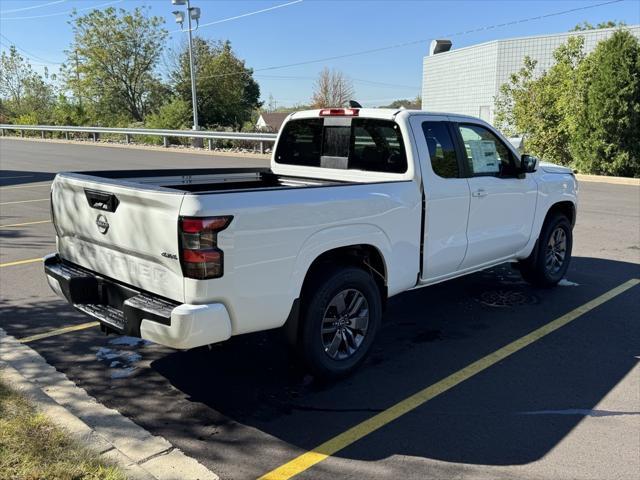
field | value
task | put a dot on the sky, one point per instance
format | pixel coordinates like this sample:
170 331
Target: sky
301 32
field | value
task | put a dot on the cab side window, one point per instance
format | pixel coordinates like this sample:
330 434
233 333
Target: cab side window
441 149
485 152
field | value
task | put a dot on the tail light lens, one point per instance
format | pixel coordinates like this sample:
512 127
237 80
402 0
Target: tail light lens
199 253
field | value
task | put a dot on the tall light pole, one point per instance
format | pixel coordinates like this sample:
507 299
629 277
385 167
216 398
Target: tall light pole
193 13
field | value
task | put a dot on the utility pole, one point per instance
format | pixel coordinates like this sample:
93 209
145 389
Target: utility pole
194 96
193 13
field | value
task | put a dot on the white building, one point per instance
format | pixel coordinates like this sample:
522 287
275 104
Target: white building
466 80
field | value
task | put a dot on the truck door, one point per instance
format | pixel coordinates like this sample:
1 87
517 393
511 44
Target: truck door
502 205
446 194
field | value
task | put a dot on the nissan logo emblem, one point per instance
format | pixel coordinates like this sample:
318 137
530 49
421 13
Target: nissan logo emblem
102 223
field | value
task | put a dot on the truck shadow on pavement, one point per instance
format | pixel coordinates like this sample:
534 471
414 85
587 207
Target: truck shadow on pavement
247 406
23 177
17 239
513 413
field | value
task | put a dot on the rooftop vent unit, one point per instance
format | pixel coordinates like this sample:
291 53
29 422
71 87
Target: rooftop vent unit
439 46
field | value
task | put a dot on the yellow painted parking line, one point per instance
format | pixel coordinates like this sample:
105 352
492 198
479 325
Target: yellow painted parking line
59 331
25 224
11 187
20 262
26 201
337 443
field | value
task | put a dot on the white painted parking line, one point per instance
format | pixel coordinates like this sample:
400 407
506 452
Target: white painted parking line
10 187
26 201
363 429
58 331
11 225
20 262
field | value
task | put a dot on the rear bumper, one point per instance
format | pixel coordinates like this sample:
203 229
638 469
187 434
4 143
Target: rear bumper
129 311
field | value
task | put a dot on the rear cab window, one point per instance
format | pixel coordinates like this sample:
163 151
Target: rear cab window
348 143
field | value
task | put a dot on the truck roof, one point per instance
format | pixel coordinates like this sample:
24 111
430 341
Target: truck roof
382 113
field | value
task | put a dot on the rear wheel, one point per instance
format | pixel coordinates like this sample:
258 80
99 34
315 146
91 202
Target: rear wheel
340 318
549 261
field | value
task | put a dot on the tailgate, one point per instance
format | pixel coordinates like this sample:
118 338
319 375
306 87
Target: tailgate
125 232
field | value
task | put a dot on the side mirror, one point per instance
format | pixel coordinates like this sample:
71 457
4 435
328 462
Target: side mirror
528 163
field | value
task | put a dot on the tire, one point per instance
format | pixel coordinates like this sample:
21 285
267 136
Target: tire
334 343
549 261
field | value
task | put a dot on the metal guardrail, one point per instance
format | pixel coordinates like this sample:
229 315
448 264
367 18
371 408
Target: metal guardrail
130 132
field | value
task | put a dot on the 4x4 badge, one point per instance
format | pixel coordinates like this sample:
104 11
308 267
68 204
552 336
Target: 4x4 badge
102 223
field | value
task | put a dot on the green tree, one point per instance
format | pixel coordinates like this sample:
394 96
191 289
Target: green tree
607 119
174 115
514 98
541 107
556 97
111 63
524 106
415 104
66 112
27 96
584 111
584 26
226 91
294 108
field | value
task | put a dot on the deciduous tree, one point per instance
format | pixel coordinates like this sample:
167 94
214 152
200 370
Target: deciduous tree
226 91
27 96
607 121
581 27
541 107
332 89
111 63
584 111
415 104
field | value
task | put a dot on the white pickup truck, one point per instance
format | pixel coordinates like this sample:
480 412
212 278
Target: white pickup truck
358 205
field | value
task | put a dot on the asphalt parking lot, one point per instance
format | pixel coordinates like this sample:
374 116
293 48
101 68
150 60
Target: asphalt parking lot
566 405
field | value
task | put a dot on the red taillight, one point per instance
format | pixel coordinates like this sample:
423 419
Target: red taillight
196 225
199 253
201 256
339 112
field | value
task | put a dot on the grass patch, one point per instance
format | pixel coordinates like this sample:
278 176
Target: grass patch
33 448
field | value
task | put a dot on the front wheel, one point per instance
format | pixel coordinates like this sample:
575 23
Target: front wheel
549 261
340 318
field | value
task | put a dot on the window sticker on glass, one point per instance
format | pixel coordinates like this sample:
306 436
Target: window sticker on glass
484 156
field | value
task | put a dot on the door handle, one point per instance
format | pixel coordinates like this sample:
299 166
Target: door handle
102 200
481 192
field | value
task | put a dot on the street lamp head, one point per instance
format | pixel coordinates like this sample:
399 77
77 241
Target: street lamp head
194 12
178 2
179 16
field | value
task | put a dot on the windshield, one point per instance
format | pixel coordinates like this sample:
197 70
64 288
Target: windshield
344 143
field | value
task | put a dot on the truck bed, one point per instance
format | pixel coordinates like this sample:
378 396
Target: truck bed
202 181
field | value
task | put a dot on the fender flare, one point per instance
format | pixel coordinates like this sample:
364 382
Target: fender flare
540 221
332 238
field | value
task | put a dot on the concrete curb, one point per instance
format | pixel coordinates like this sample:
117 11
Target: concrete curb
604 179
153 148
141 456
